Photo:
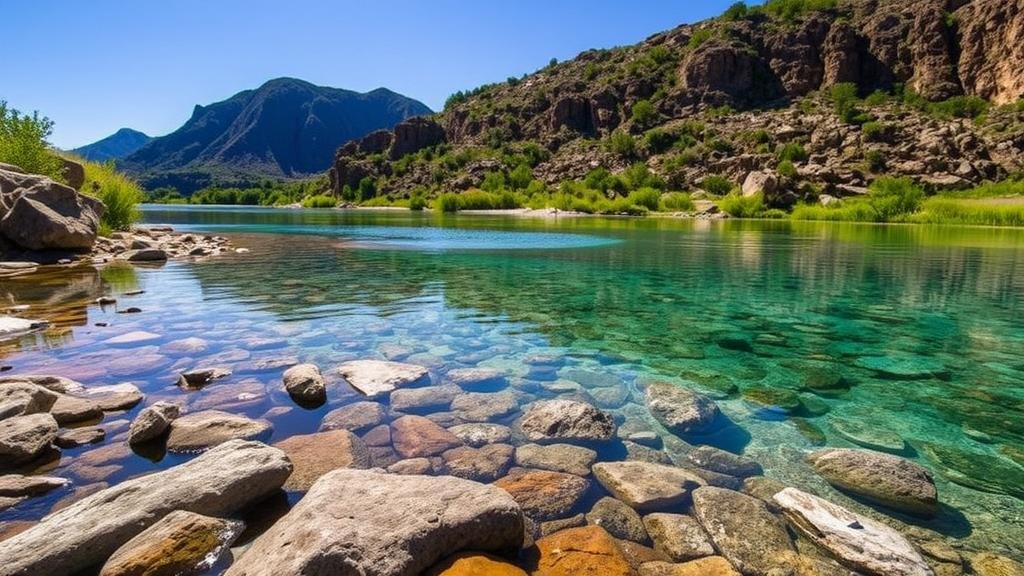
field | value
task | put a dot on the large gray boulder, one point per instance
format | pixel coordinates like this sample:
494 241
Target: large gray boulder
645 485
554 420
220 482
374 524
46 215
680 410
856 541
22 438
883 478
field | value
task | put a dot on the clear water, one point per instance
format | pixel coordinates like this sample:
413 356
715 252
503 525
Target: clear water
919 330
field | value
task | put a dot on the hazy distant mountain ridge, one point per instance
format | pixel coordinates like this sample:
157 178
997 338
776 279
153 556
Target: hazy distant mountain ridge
114 147
286 128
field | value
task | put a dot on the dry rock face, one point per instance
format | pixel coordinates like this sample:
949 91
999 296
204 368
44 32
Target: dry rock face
890 480
37 213
221 481
364 522
22 438
859 542
180 543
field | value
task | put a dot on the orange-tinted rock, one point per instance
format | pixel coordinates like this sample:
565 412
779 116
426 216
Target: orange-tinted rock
314 455
418 437
470 564
585 551
544 495
710 566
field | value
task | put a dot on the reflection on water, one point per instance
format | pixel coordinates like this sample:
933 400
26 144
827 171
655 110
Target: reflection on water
806 333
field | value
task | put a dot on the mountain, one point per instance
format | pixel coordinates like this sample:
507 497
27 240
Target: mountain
841 91
113 147
286 128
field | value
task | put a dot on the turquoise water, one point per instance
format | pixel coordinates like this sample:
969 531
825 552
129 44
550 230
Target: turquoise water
908 339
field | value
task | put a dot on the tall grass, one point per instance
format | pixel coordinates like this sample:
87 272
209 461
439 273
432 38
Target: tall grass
120 194
940 210
677 202
739 206
319 201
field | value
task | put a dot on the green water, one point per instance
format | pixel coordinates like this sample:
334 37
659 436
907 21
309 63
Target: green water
909 339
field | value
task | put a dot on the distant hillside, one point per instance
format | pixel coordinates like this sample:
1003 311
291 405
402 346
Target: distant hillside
286 128
114 147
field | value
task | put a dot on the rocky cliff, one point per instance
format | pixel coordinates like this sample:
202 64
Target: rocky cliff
731 91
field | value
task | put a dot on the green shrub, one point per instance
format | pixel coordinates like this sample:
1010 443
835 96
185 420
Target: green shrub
319 201
417 203
699 37
848 211
622 143
648 198
791 10
787 169
876 131
520 178
644 113
844 100
758 137
740 206
716 185
367 188
792 152
895 198
774 214
448 202
493 181
737 11
599 179
676 202
120 194
961 107
658 140
877 98
1008 188
875 161
23 143
639 176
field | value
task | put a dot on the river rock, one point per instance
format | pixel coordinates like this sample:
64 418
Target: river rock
588 550
57 384
18 486
678 536
196 379
152 422
46 215
976 469
883 478
219 482
181 542
476 379
427 399
132 338
484 406
718 460
357 417
208 428
556 457
542 494
305 384
75 437
12 327
554 420
484 464
313 455
868 435
903 367
646 486
855 540
412 467
22 398
742 529
22 438
473 564
618 519
681 410
477 434
375 524
989 564
710 566
416 437
114 397
377 377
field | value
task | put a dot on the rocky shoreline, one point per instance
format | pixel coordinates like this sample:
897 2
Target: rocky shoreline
457 473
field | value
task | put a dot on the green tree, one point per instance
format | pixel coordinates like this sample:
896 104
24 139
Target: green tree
367 189
23 142
644 113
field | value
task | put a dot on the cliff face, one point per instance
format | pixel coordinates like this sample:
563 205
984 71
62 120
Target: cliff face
935 48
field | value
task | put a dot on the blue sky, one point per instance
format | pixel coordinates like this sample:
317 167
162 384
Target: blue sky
96 66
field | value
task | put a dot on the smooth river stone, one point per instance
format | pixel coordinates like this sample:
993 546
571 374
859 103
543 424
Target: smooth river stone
377 377
202 430
484 406
357 417
305 384
855 540
647 486
681 410
542 494
313 455
476 434
678 536
618 519
554 420
475 379
180 543
718 460
418 437
22 438
484 464
903 367
557 458
473 564
426 399
743 530
218 483
374 524
883 478
868 435
587 550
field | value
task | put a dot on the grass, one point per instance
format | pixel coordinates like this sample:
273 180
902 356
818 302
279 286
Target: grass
971 212
739 206
677 202
120 194
319 201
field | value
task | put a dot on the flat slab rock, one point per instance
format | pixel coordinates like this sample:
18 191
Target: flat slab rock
883 478
749 536
219 482
542 494
645 485
553 420
314 455
180 543
373 524
378 377
208 428
855 540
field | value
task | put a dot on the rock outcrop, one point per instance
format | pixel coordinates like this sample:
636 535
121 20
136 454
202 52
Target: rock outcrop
39 214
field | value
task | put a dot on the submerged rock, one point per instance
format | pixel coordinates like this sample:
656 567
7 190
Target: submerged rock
420 400
580 551
484 464
718 460
553 420
680 410
678 536
180 543
867 435
313 455
196 379
357 417
477 434
208 428
618 519
977 470
855 540
542 494
417 437
220 482
374 524
889 480
484 406
743 530
305 383
22 438
556 457
646 486
903 367
377 377
152 422
475 379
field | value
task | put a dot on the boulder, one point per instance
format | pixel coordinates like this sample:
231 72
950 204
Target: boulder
743 530
476 379
86 533
70 409
375 524
305 384
25 398
474 564
74 173
556 457
51 216
426 399
196 379
181 542
678 536
152 422
883 478
18 486
481 406
208 428
710 566
578 552
544 495
114 397
75 437
647 486
23 438
484 464
477 434
417 437
856 541
618 519
377 377
681 410
313 455
554 420
760 182
357 417
718 460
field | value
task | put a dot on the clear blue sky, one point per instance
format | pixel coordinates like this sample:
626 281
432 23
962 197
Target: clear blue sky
96 66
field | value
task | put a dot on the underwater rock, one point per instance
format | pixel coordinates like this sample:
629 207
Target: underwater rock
313 455
903 367
743 530
618 519
977 470
883 478
557 458
542 494
646 486
678 536
553 420
681 410
868 435
377 377
357 417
